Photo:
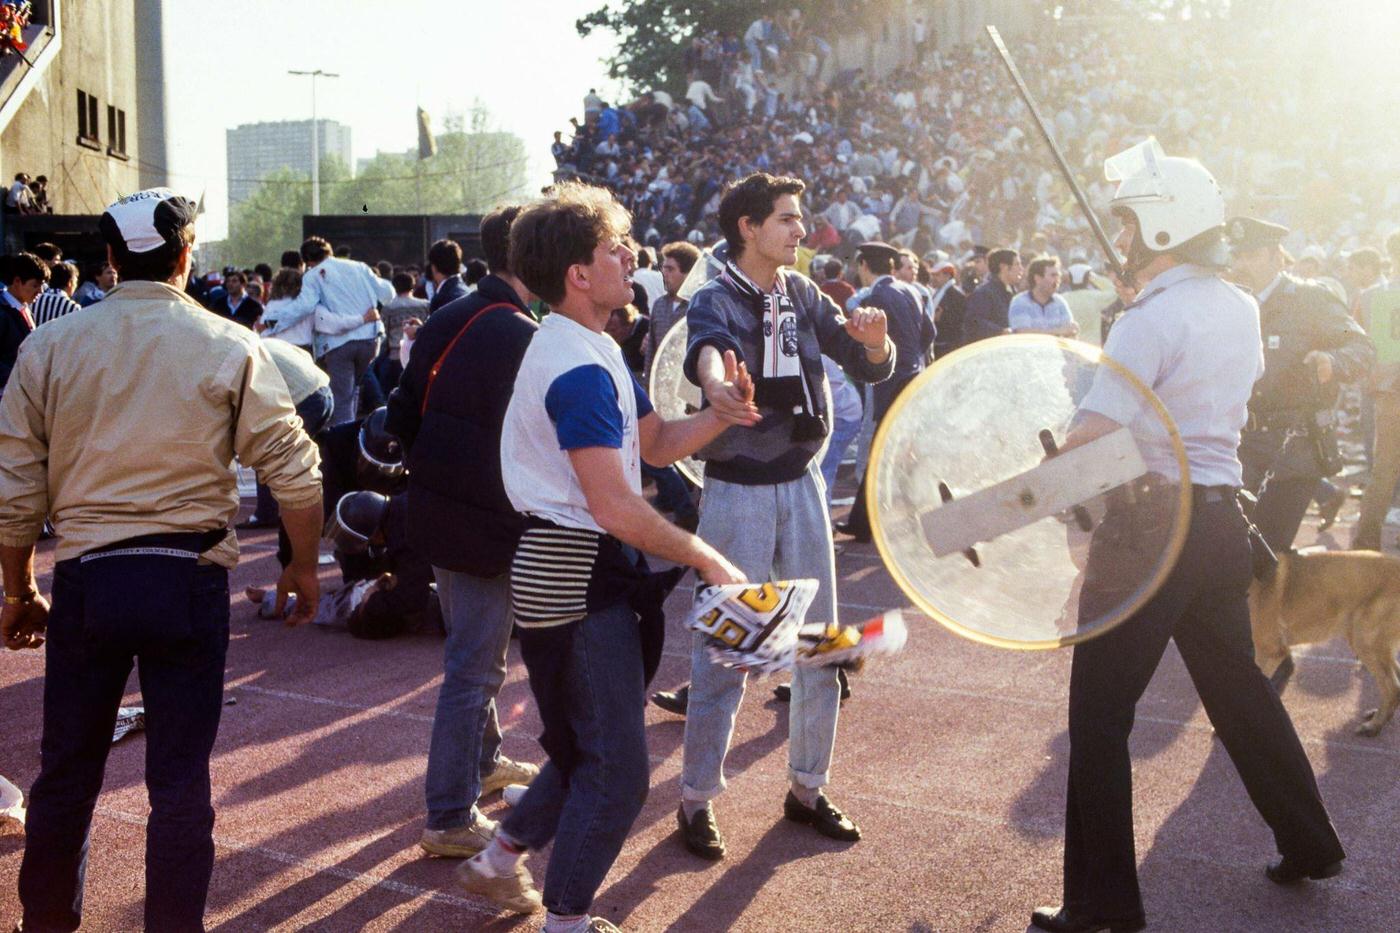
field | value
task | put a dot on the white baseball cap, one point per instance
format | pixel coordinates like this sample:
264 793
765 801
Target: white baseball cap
147 220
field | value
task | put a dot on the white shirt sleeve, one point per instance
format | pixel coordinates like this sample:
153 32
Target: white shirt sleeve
1136 346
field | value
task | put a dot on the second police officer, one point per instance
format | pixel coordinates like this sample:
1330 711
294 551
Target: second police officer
1311 346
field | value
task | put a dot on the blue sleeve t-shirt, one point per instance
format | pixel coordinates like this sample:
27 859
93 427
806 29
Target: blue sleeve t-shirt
582 403
573 391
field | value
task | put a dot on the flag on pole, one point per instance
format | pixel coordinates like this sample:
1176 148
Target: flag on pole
427 146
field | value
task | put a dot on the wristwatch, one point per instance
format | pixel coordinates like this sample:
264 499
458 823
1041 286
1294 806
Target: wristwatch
21 600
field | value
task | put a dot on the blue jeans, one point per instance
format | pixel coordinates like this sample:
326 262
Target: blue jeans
182 685
589 818
776 532
466 740
842 434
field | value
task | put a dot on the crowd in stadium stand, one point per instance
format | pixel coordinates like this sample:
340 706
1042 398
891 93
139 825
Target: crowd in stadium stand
942 155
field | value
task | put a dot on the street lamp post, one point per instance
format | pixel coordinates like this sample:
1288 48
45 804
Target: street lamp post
315 137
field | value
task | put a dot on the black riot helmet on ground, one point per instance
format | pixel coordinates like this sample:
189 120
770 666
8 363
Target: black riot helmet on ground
381 465
357 518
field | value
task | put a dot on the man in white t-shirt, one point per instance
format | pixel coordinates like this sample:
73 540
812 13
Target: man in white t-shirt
576 430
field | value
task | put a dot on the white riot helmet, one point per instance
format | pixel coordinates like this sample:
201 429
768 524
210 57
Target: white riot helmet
1174 200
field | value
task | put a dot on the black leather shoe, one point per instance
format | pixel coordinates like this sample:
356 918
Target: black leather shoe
1285 872
1328 508
701 834
825 818
672 701
783 692
1061 920
862 535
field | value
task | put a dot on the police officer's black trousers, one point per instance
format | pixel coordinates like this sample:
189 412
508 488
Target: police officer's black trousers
1280 510
1203 607
180 660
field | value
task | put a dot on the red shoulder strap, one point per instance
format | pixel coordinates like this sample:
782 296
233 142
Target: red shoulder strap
442 357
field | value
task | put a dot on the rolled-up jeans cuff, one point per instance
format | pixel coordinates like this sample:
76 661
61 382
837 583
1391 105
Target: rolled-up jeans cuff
808 779
690 793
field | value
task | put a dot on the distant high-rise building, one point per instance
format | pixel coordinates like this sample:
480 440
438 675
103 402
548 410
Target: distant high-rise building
258 149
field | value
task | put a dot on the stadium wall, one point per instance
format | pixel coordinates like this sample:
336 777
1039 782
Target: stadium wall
99 56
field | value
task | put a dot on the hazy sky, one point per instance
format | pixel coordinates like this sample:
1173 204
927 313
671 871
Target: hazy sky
226 65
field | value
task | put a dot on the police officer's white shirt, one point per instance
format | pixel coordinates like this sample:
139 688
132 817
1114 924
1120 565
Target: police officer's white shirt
1194 340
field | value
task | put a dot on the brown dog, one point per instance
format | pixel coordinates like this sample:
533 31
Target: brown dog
1318 596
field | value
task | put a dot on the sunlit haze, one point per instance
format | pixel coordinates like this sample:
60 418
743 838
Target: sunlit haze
227 66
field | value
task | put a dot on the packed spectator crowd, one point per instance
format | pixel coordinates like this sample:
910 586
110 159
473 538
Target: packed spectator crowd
941 154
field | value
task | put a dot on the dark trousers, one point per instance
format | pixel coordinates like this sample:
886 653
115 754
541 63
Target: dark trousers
182 681
315 414
1279 513
672 490
593 692
1203 607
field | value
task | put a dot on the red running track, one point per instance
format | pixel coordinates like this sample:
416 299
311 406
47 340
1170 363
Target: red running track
950 757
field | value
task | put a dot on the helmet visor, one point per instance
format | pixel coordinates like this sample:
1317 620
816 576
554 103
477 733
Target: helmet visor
341 536
1138 171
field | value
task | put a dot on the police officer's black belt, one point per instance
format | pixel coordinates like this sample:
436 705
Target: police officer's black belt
1210 495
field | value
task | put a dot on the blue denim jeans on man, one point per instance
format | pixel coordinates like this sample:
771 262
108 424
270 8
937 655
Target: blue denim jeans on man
778 531
466 740
843 433
589 818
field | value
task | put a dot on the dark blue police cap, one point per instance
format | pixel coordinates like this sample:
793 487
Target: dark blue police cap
1249 233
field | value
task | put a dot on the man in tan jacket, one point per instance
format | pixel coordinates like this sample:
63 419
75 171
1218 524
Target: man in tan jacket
122 427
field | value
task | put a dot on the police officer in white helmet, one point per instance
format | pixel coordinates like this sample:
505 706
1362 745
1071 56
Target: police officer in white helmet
1194 339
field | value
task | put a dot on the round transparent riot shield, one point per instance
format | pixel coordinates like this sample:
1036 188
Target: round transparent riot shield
708 266
992 529
673 395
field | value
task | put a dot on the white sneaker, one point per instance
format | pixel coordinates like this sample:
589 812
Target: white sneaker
508 772
515 892
460 841
512 793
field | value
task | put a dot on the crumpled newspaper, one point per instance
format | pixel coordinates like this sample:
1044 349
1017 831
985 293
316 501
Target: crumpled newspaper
12 807
129 719
754 627
762 629
850 645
